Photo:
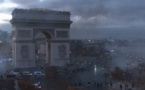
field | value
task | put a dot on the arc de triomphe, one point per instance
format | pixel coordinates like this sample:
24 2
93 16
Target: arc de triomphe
55 26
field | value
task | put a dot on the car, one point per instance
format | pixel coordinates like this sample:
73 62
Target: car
27 73
17 74
38 73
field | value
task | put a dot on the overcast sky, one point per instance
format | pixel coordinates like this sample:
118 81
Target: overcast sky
91 18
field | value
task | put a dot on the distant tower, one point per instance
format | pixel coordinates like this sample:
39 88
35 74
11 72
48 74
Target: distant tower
54 25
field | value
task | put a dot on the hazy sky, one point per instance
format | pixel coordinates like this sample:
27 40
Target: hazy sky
91 18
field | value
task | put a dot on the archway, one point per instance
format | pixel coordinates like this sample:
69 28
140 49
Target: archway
42 48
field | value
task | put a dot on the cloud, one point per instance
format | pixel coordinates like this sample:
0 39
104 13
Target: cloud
5 11
97 15
4 18
1 1
8 5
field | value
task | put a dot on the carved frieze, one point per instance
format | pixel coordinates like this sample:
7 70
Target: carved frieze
24 33
62 51
62 34
24 51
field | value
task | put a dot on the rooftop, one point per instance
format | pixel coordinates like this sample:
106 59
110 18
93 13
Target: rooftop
39 10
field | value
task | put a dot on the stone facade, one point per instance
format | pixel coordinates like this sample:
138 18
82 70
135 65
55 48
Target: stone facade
27 23
41 14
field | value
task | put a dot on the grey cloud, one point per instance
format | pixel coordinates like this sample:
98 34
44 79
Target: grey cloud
123 14
24 2
123 10
127 10
77 7
83 8
6 10
1 1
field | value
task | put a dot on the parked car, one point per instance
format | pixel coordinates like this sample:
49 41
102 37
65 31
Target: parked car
27 73
38 73
14 73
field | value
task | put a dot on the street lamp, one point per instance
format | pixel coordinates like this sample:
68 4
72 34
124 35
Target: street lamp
95 69
106 68
126 75
95 72
139 67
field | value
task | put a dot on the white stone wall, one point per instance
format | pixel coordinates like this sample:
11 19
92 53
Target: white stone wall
24 36
24 62
62 29
55 59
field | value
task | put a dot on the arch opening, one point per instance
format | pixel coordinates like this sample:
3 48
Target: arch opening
42 48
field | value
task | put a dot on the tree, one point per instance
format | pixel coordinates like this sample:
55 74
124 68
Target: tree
27 85
118 74
139 79
76 47
7 84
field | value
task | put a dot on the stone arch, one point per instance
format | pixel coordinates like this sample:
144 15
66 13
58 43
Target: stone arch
48 22
45 37
49 33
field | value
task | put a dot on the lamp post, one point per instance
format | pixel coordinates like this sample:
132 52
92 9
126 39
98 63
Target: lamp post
139 66
139 61
126 76
95 72
106 67
95 69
